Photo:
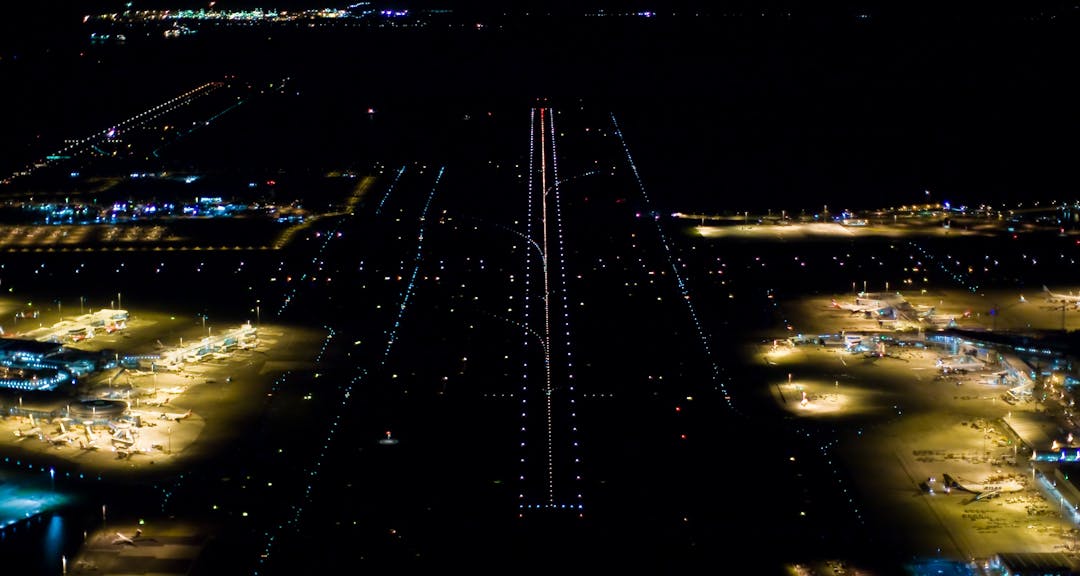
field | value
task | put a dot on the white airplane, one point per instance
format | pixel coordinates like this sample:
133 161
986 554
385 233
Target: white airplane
176 417
940 321
121 539
1061 298
861 305
960 362
128 451
156 402
33 430
123 436
65 437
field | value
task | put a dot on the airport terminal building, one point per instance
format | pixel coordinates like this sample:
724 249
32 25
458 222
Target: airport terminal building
30 365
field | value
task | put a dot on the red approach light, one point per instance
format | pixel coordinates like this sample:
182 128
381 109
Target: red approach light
271 182
682 436
678 409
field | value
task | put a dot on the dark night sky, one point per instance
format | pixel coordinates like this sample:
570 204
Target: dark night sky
975 105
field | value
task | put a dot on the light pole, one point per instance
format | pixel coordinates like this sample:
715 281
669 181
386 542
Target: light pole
256 313
82 300
59 309
119 303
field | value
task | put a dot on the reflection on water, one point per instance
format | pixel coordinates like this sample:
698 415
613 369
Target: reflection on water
45 544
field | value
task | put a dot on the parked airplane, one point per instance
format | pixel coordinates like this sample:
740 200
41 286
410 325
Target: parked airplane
1061 298
129 540
987 494
33 430
128 451
123 436
65 437
940 321
960 363
176 417
156 402
982 491
861 305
